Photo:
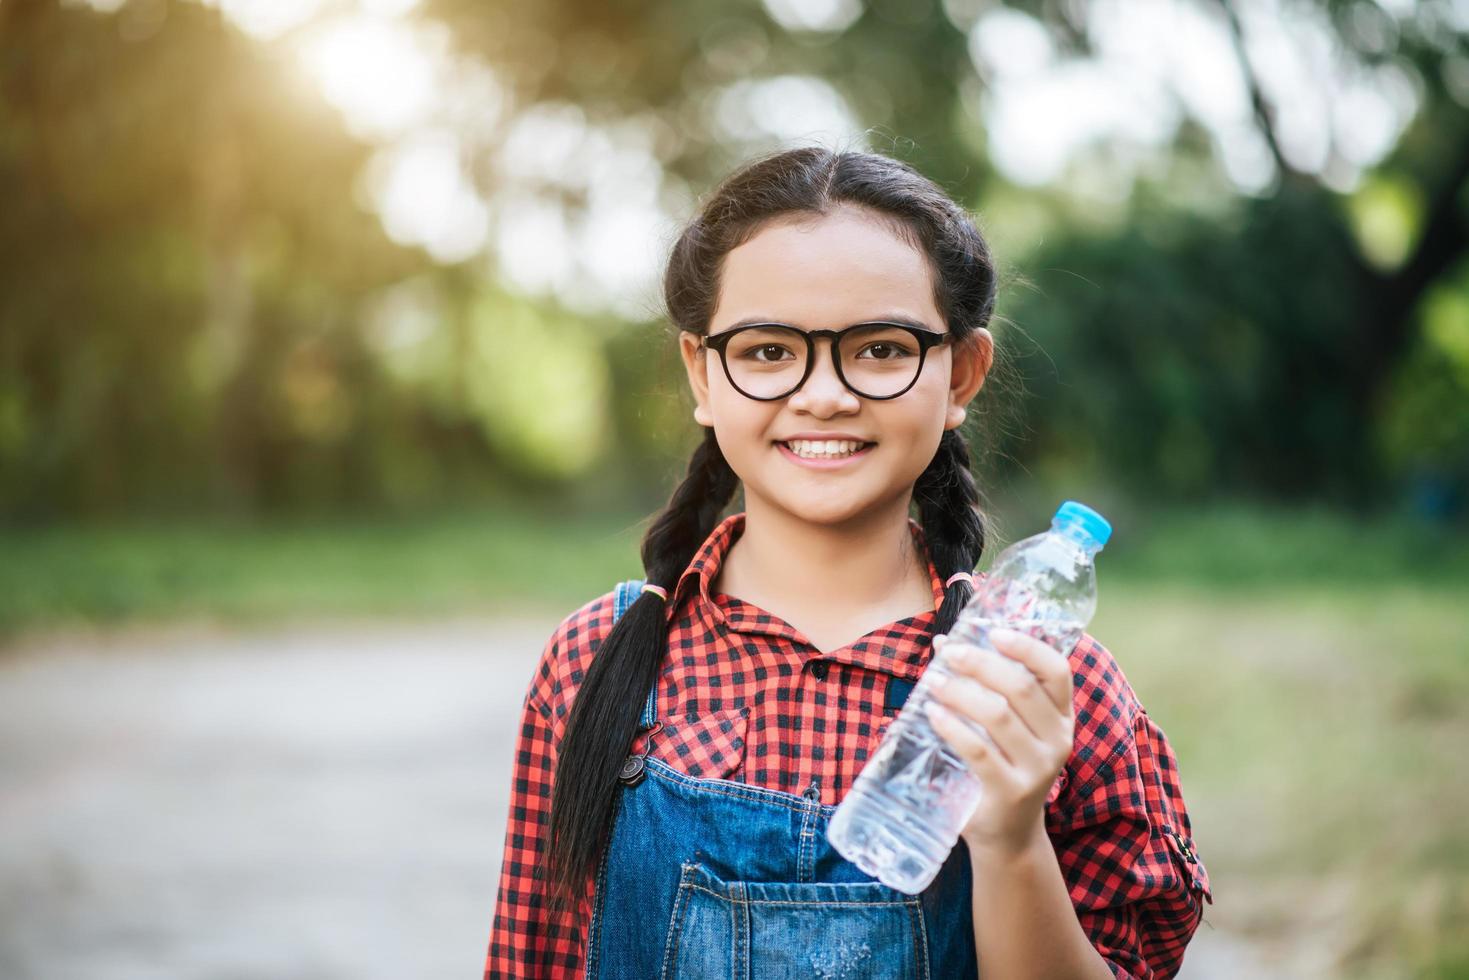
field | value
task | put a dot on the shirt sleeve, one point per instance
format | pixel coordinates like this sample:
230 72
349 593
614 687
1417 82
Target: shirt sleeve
528 938
1123 836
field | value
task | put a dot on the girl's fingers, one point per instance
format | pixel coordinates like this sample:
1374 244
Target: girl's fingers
1048 665
995 714
1024 692
1023 661
999 716
981 755
1015 683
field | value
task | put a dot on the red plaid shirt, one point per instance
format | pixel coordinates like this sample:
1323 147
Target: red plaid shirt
746 696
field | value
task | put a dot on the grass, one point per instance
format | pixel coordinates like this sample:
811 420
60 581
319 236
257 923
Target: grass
1321 735
1310 670
1247 549
239 573
521 556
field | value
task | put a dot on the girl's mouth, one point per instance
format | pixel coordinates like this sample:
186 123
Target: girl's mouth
822 461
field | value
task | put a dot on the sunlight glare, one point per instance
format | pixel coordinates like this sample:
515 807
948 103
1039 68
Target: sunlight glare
421 191
1013 42
379 73
534 245
787 108
388 8
547 142
266 20
826 16
1334 116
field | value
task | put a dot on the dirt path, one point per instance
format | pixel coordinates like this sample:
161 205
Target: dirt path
303 802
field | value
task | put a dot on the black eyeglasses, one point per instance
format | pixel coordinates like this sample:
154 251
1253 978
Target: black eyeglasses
877 359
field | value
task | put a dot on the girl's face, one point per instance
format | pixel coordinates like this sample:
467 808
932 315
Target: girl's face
817 273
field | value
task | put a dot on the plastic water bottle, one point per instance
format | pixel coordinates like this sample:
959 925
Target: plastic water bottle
904 813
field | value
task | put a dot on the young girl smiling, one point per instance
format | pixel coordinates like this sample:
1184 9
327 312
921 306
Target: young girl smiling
687 736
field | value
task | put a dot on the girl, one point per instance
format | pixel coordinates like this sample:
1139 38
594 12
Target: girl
686 738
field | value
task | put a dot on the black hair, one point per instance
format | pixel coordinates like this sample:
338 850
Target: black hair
807 181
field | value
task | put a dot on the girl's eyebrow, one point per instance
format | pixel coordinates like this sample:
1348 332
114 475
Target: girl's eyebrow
902 318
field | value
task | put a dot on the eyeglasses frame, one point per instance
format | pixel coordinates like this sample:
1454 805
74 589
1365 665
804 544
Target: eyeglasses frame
925 339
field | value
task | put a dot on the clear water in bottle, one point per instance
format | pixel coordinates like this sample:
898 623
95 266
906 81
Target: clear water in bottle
904 813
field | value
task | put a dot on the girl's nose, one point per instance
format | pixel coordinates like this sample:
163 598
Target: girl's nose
823 390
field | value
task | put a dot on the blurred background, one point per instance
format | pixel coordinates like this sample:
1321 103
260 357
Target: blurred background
333 375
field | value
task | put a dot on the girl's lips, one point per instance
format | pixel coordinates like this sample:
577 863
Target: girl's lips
825 464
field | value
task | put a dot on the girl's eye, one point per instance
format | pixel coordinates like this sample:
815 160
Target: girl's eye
887 351
754 352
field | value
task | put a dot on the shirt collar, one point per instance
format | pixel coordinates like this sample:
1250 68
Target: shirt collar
903 647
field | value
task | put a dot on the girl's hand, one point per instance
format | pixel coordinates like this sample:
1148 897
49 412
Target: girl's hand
1022 698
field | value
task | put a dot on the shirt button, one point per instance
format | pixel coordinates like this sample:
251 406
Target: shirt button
818 670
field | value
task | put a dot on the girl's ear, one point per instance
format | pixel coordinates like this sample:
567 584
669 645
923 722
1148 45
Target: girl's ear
696 361
973 358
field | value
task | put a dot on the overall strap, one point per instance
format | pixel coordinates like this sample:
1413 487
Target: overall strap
628 593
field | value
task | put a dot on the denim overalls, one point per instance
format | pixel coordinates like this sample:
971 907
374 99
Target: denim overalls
713 878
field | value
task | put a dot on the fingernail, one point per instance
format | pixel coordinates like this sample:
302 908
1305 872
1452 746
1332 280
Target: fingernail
1002 635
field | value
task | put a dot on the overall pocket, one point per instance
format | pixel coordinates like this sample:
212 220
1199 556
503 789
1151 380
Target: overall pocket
747 930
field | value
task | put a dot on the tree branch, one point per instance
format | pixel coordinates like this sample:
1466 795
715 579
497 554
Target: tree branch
1445 238
1263 110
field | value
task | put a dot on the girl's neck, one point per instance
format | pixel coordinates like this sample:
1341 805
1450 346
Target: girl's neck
858 570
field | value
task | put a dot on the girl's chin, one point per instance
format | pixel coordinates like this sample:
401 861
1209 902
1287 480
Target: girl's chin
816 505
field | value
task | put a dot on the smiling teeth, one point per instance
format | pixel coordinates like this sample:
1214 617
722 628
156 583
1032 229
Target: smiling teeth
824 450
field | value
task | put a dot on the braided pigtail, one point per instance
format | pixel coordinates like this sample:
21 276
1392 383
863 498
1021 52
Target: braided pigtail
953 527
604 713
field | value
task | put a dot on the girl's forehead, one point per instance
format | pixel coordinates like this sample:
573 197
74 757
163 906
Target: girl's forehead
829 269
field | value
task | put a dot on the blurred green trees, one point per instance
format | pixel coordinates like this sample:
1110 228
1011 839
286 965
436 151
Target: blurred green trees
182 274
199 309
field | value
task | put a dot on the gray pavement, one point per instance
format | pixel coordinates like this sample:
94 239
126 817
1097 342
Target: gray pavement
307 802
323 801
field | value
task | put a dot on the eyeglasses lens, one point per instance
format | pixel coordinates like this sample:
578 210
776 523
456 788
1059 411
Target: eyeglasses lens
769 362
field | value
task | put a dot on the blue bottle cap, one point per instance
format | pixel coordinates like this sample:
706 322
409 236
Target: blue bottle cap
1076 516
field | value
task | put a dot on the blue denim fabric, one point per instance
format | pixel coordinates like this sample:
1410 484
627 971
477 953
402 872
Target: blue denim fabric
717 878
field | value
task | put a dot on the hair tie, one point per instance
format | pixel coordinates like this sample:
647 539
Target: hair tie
966 576
657 590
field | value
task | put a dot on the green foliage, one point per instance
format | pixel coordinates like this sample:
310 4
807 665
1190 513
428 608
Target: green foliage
539 386
198 315
1424 426
181 271
1198 357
